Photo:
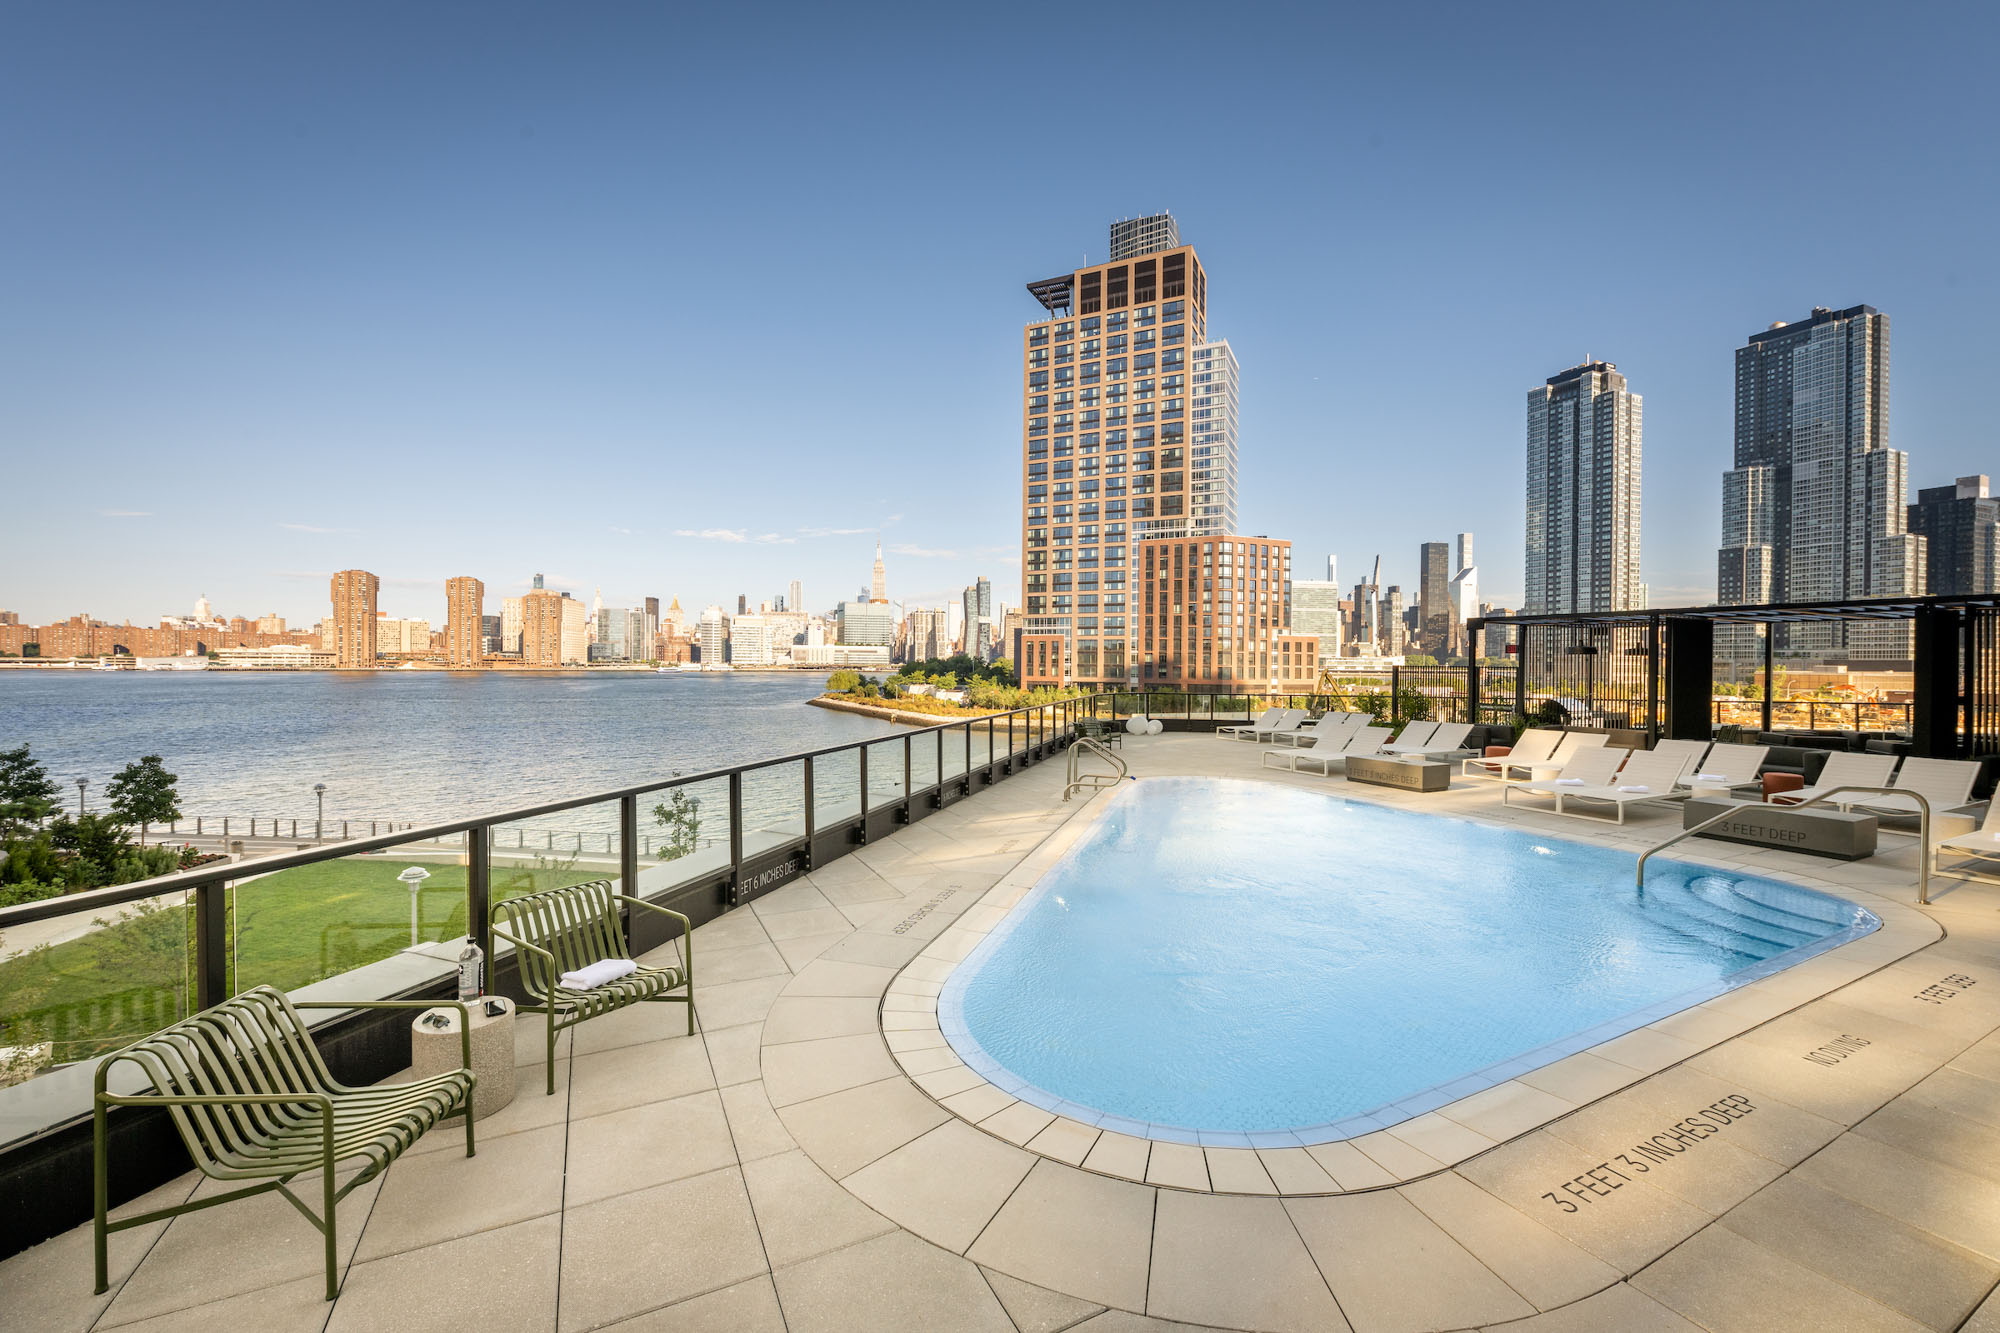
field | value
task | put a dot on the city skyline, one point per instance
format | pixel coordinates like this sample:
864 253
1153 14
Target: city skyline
187 343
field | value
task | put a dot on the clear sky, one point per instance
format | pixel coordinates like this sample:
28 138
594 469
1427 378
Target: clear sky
691 301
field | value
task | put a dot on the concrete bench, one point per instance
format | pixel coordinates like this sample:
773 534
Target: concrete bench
1815 830
1402 774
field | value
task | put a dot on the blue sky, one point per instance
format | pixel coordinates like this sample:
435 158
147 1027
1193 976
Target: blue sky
692 304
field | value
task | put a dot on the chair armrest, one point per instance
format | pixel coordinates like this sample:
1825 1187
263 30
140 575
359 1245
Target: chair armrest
687 928
316 1099
464 1015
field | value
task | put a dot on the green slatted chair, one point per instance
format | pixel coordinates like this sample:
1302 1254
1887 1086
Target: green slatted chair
560 930
253 1101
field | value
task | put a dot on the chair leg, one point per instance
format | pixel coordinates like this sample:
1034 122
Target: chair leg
332 1238
552 1052
470 1149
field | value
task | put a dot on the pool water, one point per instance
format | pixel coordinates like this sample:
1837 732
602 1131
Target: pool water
1236 962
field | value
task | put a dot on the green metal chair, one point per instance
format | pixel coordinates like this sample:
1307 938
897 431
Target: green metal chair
560 930
253 1100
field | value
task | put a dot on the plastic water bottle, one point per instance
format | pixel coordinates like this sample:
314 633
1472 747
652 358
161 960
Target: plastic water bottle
471 971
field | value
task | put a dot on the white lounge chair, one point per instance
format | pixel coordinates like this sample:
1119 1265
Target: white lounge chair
1725 768
1981 845
1945 783
1365 742
1332 729
1412 734
1530 747
1693 751
1592 766
1572 744
1648 775
1273 722
1843 769
1269 715
1448 739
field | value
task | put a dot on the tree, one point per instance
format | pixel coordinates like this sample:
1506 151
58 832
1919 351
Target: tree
27 792
144 793
680 816
842 682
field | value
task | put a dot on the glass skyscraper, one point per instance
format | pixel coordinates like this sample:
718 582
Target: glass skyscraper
1584 456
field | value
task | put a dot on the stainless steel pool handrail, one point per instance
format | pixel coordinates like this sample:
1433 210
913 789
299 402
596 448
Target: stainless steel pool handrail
1923 829
1078 779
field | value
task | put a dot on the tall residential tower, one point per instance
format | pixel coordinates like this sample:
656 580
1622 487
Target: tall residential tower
1104 429
354 595
1815 507
1584 452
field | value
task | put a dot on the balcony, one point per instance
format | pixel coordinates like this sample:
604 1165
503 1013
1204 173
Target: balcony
817 1157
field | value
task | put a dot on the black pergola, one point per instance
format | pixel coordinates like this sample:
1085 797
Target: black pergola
1955 654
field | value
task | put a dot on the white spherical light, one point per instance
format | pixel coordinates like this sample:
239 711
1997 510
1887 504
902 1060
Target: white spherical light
1135 726
1155 727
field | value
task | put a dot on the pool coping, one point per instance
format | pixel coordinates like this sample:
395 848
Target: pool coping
1442 1126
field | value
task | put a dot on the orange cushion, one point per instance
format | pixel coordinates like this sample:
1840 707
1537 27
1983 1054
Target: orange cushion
1496 751
1777 782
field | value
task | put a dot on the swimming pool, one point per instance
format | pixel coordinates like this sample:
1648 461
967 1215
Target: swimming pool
1235 962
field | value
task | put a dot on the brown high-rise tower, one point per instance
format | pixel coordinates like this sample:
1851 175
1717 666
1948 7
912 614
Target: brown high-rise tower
1104 394
354 595
464 606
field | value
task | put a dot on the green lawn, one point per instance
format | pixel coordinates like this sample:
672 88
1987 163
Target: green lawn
94 993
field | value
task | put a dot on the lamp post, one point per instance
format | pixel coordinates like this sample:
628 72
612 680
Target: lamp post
414 877
319 816
81 783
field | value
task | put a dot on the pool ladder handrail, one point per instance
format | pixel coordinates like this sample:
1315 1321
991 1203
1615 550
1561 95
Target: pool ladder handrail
1923 830
1078 780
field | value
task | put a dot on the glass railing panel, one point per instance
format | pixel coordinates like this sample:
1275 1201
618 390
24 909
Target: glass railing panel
568 847
954 752
683 834
885 773
924 760
361 926
76 986
837 786
774 806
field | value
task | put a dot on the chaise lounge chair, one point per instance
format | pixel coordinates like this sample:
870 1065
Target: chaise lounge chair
1981 845
1367 741
1271 724
1725 768
1945 783
1332 729
1844 769
1269 715
1592 766
1448 740
1648 775
1530 747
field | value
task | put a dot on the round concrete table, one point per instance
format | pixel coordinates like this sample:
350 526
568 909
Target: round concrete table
436 1050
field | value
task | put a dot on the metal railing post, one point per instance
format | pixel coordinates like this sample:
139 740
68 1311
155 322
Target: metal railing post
937 797
735 835
479 891
1925 852
211 944
908 778
864 792
628 845
992 755
810 798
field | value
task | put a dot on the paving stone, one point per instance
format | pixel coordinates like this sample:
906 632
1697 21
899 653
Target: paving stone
1037 1309
735 1054
634 1075
845 1131
1619 1309
753 1123
514 1178
500 1281
1237 1171
814 1017
944 1186
1729 1284
1236 1262
892 1284
646 1145
747 1307
1395 1269
48 1285
639 1251
1179 1165
1546 1269
1627 1228
1929 1280
802 1212
1955 1205
1075 1232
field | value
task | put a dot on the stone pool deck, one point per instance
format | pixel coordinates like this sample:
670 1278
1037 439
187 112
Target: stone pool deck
1826 1149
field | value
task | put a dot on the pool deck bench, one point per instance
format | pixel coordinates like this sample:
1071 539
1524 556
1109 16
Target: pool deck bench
1814 1150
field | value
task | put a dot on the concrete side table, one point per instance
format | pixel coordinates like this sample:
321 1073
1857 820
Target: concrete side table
436 1050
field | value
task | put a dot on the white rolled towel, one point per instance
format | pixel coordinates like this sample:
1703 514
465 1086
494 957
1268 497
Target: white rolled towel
600 973
1635 789
1711 777
1569 782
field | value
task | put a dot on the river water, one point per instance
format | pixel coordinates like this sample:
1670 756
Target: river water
417 746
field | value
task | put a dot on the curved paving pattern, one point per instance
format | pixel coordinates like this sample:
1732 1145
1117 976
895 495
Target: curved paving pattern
1813 1152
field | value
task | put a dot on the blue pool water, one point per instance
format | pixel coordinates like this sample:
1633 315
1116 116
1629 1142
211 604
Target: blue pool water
1251 963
